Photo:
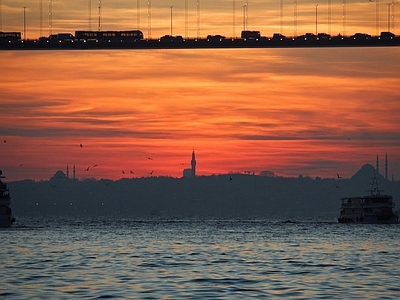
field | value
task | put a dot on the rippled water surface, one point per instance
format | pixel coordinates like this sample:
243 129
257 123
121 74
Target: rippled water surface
215 259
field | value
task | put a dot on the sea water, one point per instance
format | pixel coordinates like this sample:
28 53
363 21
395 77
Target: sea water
89 258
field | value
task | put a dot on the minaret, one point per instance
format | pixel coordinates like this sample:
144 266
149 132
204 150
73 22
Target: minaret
74 171
193 163
386 167
377 164
67 172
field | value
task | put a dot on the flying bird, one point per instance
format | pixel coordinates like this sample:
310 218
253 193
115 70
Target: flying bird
94 166
132 172
149 158
338 176
80 145
123 172
151 173
4 141
21 165
336 186
87 169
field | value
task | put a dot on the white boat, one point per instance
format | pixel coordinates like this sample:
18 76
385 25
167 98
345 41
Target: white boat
372 209
6 218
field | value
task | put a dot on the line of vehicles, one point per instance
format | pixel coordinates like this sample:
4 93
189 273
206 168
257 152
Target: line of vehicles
135 38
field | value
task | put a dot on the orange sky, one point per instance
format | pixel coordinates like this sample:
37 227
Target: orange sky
215 17
313 112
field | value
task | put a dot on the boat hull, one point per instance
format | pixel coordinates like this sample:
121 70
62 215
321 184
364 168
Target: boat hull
6 218
6 222
393 219
343 220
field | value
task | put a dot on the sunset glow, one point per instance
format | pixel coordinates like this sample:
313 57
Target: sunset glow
313 112
215 17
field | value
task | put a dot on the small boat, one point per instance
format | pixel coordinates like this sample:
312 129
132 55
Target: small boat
371 209
6 218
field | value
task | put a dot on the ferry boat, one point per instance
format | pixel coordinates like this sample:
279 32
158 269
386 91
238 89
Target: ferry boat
6 218
371 209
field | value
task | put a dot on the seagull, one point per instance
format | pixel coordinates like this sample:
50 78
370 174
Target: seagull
338 176
336 186
123 172
4 141
149 158
87 169
80 145
94 166
151 173
132 172
21 165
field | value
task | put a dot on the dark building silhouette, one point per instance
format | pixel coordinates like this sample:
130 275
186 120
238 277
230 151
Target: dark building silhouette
386 167
191 172
193 163
377 164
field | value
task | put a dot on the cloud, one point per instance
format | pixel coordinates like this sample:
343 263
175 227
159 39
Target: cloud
274 109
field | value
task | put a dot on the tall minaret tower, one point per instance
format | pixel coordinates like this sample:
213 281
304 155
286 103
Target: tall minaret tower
386 167
377 164
67 172
74 171
193 163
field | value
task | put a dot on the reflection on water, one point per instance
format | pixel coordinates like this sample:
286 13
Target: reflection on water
98 258
293 111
